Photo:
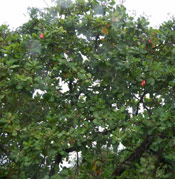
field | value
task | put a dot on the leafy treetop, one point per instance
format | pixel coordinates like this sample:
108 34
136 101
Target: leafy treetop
104 78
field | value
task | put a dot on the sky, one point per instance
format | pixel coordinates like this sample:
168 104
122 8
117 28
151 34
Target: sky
14 12
157 11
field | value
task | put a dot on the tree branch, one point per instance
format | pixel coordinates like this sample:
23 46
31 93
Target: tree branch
96 42
58 159
149 111
133 156
77 167
140 101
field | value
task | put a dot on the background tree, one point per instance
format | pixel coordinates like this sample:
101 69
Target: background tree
104 79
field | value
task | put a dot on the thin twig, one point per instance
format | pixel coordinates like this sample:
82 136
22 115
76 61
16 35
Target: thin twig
140 101
147 109
77 167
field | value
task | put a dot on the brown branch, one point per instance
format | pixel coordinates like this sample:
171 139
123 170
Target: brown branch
71 149
133 156
71 86
161 44
58 159
149 111
140 101
77 168
96 42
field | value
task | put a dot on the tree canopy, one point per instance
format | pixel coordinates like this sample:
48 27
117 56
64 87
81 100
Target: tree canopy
85 77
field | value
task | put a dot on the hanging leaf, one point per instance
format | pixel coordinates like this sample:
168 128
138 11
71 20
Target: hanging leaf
104 30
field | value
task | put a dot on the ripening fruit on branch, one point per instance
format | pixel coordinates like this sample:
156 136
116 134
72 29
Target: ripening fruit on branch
143 83
41 36
149 41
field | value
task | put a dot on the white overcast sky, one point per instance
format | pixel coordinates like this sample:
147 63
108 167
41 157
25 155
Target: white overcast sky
14 12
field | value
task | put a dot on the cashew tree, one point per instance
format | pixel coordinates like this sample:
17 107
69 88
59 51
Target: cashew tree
86 79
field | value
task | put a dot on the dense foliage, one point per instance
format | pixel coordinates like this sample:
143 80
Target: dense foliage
86 77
